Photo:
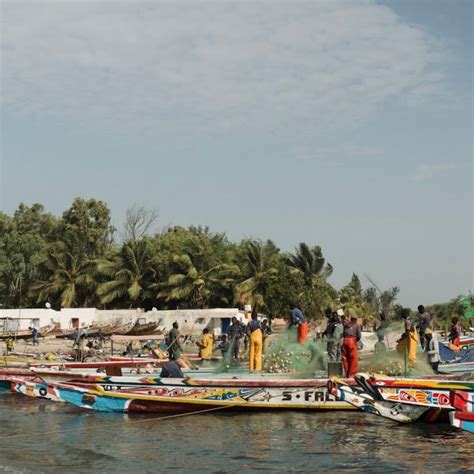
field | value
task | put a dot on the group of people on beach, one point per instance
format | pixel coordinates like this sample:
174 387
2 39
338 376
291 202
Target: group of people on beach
254 336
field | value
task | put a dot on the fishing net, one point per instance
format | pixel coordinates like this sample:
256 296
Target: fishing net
286 355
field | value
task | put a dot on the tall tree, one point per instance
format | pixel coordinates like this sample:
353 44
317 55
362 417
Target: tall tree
311 263
69 276
139 221
258 265
89 223
128 275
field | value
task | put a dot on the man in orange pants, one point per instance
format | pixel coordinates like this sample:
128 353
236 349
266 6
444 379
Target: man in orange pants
351 335
254 329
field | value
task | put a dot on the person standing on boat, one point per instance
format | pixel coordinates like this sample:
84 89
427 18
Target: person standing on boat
266 332
424 323
432 350
235 334
351 336
455 334
171 369
297 319
380 345
254 329
406 345
205 345
174 347
333 333
224 346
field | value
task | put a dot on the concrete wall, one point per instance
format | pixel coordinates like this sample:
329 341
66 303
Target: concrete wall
191 321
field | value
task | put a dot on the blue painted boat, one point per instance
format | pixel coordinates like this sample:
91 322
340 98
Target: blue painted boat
462 420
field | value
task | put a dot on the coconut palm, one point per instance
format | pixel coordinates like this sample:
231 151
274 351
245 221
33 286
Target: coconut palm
194 282
69 276
309 261
129 275
258 264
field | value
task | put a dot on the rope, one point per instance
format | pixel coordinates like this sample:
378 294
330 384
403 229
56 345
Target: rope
102 426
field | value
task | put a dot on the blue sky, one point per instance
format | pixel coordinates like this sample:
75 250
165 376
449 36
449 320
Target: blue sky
342 124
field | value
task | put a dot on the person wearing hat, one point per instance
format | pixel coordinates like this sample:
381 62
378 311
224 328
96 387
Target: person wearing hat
432 349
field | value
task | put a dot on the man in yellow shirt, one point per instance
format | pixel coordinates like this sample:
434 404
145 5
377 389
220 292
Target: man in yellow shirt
205 345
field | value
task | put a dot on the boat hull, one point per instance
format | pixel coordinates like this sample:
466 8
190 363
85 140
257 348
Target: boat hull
463 421
190 399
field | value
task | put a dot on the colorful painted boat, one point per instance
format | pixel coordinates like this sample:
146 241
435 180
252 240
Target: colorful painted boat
463 353
428 392
462 420
35 389
399 412
462 401
191 396
402 399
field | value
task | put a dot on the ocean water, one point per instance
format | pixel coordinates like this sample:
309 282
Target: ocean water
42 436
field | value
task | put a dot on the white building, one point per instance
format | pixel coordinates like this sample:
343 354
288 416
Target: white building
191 321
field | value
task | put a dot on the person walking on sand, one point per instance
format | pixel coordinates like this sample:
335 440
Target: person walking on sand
254 329
34 336
351 336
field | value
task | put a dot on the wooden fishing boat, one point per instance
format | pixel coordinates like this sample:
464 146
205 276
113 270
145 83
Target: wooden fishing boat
462 401
392 397
35 389
429 392
24 334
190 396
462 420
142 329
359 399
123 329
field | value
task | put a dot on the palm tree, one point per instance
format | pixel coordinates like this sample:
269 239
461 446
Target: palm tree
259 270
69 276
311 264
194 282
129 274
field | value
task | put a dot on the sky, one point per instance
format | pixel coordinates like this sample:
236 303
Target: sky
344 124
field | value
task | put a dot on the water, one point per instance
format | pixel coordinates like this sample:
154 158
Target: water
84 441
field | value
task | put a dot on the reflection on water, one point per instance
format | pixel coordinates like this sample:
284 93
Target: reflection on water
85 441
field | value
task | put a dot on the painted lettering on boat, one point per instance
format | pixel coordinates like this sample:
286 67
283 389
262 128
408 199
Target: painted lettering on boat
307 396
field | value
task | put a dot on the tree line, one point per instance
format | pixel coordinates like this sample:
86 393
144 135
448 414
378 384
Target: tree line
76 260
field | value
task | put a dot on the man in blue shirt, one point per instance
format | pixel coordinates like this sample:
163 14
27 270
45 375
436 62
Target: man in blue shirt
296 317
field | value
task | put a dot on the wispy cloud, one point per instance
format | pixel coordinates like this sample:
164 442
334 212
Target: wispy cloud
333 154
426 172
210 65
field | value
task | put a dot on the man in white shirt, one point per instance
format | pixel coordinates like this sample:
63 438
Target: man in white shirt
432 350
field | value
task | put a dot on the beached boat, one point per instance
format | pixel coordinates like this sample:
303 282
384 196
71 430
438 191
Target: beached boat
142 329
189 396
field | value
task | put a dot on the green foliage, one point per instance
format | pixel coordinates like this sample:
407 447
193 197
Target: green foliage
73 261
127 275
